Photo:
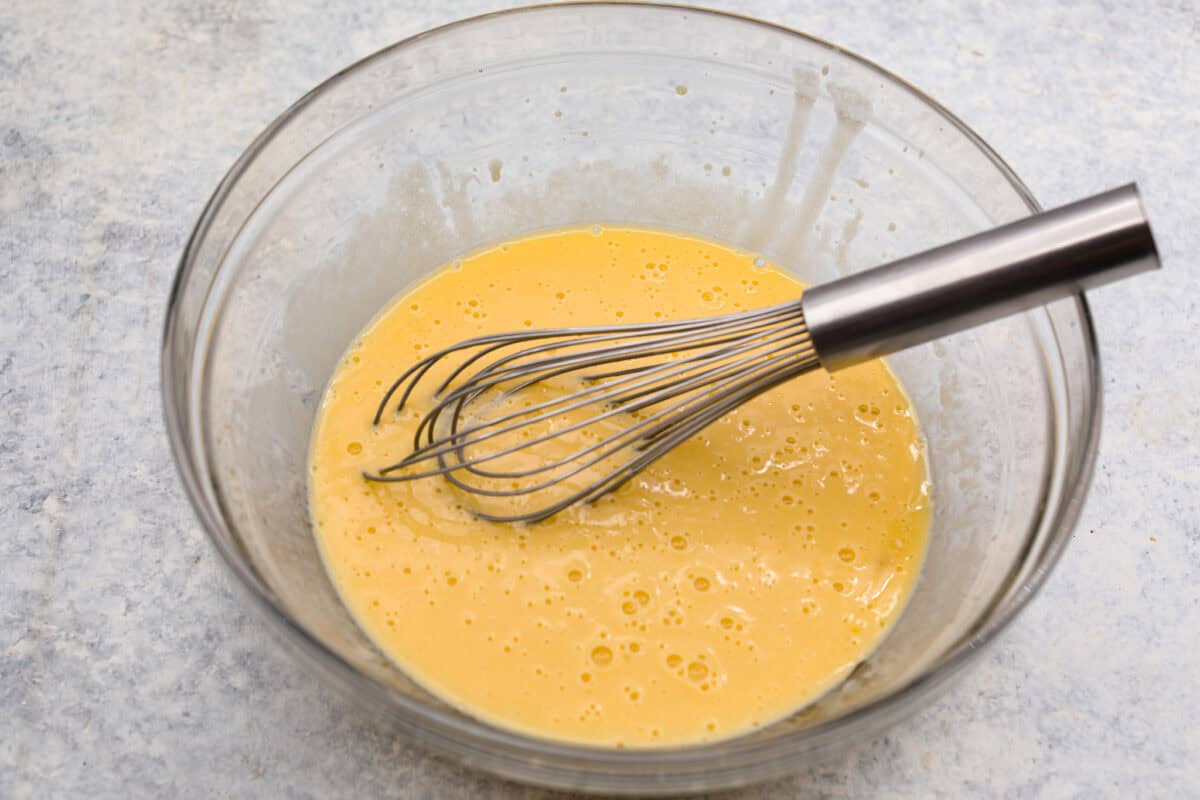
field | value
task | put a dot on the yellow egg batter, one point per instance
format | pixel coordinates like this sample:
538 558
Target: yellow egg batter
729 584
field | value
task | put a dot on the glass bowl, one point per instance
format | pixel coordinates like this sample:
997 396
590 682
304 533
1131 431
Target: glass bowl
672 117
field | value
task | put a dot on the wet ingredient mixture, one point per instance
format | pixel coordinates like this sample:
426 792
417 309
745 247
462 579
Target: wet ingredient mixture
730 584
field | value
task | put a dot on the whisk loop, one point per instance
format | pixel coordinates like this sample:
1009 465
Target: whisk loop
609 401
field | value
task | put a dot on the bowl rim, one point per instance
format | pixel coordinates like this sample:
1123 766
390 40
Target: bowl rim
464 736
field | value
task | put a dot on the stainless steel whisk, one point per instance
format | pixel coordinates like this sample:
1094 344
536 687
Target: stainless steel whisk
642 389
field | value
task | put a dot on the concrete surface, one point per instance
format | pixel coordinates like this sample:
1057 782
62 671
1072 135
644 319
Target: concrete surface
128 667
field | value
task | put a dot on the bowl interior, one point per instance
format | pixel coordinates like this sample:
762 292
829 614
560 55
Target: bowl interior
684 120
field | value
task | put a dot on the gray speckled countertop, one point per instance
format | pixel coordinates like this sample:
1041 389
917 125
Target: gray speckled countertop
128 666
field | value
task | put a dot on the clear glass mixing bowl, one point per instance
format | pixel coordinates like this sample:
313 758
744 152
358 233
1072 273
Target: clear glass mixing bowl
628 114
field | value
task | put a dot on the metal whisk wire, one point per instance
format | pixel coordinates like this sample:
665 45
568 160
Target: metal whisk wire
682 375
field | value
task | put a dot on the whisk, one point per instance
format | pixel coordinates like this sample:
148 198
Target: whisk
540 420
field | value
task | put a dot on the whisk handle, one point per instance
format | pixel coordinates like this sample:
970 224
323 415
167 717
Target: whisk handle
1003 271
